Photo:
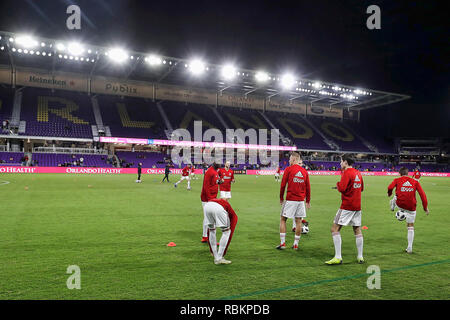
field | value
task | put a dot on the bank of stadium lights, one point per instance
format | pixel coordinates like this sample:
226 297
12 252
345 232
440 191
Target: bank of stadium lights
228 72
196 67
153 60
287 81
117 55
25 41
262 76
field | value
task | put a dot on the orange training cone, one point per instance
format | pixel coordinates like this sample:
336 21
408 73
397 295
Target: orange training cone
171 244
365 228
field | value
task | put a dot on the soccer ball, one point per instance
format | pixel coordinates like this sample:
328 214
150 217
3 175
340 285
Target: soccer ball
400 215
305 229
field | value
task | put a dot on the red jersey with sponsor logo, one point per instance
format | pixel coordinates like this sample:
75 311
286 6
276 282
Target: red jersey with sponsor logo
279 170
350 187
298 188
185 171
210 187
228 177
416 175
192 169
405 190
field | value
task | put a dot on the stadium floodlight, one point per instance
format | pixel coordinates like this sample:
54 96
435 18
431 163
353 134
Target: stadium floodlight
287 81
153 60
26 41
197 67
75 48
60 47
228 72
117 55
317 85
262 76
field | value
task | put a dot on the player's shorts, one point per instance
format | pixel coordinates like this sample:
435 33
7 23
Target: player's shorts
185 178
277 175
216 215
225 194
293 209
410 215
348 218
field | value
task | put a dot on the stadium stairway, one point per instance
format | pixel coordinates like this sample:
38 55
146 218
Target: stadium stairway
370 146
165 118
15 116
333 145
283 138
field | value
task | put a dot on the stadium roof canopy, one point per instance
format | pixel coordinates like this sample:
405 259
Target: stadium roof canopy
54 55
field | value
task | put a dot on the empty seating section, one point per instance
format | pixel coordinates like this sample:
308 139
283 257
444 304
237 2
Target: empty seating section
131 117
340 134
60 114
183 116
60 159
298 130
9 158
148 159
70 114
6 103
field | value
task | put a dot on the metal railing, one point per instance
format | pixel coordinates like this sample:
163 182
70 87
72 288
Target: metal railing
69 150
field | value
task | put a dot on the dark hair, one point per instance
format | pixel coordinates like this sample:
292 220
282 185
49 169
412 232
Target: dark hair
349 159
403 171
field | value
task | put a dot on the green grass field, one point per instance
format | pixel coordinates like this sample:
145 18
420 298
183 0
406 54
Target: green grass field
116 231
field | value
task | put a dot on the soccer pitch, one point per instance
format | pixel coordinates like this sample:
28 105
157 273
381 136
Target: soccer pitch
117 232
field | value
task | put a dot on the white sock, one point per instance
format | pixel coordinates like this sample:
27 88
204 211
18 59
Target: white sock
296 240
282 238
205 227
294 225
213 242
410 237
189 184
337 245
223 242
359 245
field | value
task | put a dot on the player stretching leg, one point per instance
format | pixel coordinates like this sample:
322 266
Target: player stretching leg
350 186
405 200
219 213
185 176
210 189
298 190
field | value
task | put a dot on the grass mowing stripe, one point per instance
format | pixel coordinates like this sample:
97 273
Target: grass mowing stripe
309 284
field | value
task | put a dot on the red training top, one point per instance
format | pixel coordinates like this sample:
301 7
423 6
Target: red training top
405 190
351 186
228 177
297 179
210 186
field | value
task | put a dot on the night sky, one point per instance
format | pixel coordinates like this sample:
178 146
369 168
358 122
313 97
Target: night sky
320 40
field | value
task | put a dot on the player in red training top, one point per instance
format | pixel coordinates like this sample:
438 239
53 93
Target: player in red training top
277 173
416 175
298 192
405 200
210 189
185 176
350 186
220 214
227 176
192 173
